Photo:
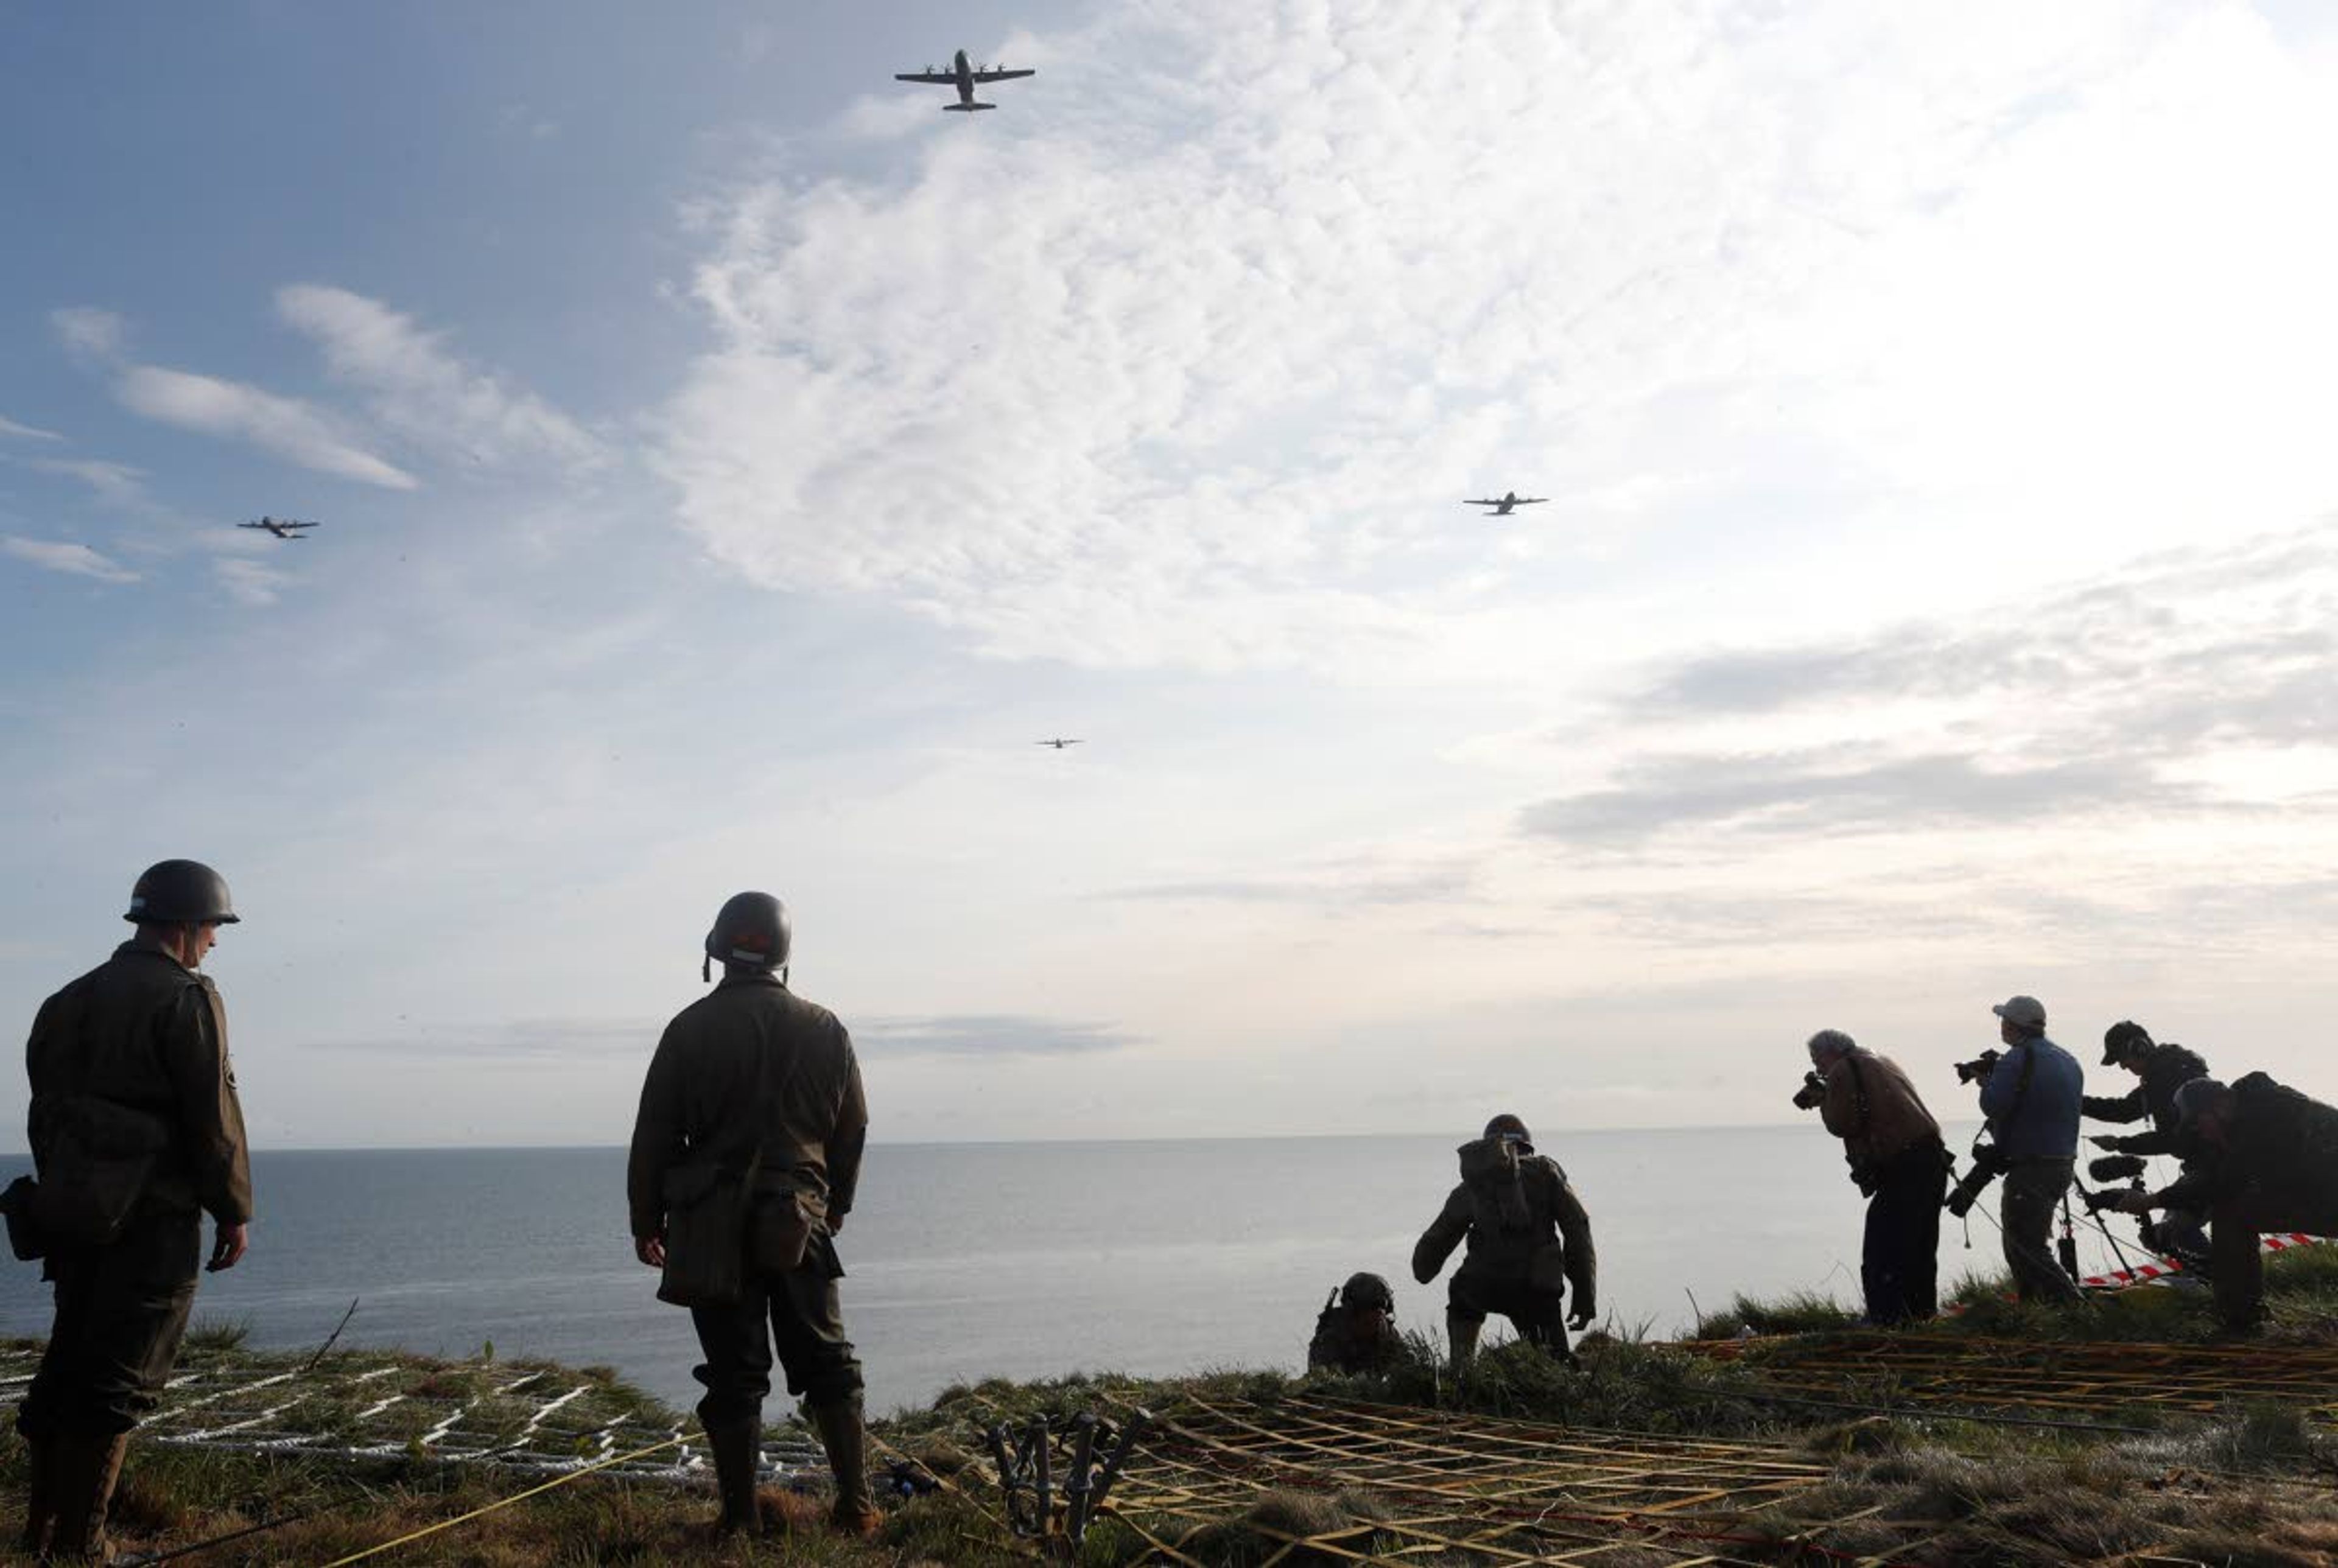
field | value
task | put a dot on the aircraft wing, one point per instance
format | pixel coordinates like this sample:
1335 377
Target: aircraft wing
1483 501
1532 500
931 78
1002 75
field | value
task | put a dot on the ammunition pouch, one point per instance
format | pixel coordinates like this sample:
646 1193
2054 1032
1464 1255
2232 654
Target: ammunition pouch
782 1220
1547 1268
1867 1177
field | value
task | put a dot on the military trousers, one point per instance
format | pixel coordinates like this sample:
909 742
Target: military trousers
2034 1186
799 1313
121 1314
1899 1261
2236 1262
1535 1315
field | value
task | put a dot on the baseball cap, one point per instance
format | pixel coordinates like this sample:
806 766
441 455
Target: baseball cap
2022 1012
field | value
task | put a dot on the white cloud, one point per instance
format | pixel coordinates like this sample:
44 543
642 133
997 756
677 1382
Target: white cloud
55 555
247 581
89 333
285 427
9 428
116 484
424 392
1188 361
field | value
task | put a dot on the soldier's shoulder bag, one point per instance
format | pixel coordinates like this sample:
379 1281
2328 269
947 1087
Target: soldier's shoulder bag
97 1160
25 1237
705 1234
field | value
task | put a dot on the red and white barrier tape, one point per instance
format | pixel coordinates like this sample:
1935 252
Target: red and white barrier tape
2143 1274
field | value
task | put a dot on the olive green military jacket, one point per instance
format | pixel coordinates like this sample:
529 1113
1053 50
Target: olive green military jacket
1523 1223
142 1033
710 1094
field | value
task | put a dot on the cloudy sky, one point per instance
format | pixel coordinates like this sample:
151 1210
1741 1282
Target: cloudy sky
729 465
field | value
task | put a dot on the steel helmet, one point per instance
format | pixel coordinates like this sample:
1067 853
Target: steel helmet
1508 1126
1367 1290
181 893
751 929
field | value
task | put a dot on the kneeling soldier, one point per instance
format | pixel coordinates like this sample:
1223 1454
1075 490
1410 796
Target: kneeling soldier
744 1158
1356 1330
1529 1241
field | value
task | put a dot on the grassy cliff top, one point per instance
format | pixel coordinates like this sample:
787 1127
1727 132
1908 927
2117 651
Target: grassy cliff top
359 1450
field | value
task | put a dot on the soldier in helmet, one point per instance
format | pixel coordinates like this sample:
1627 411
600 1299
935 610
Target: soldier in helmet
754 1084
1529 1243
1356 1330
136 1133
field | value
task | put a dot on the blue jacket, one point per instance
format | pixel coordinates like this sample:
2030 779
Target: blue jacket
2044 1121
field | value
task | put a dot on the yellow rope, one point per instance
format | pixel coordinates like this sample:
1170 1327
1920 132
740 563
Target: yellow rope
504 1502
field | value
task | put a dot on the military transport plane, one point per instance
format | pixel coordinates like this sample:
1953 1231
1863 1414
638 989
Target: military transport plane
965 78
1058 744
282 527
1503 503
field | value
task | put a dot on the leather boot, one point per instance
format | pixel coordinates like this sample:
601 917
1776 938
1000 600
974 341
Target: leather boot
85 1470
738 1450
1461 1333
40 1495
848 1457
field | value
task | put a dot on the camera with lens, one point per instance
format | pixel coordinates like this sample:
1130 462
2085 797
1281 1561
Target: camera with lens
1812 1094
1980 1066
1987 1165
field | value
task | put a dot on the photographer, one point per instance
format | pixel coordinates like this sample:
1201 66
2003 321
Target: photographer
1893 1147
2162 1069
2031 1099
2262 1157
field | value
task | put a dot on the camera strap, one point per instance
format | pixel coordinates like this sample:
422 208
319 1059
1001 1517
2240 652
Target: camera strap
1858 1090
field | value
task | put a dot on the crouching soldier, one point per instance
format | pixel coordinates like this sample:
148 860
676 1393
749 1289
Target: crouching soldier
744 1158
2258 1157
1356 1330
1529 1243
136 1133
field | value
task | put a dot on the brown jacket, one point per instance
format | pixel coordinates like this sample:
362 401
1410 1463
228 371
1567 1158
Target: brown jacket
1871 1105
751 1043
143 1033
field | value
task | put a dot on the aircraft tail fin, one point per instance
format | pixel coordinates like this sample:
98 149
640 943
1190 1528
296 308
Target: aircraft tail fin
968 108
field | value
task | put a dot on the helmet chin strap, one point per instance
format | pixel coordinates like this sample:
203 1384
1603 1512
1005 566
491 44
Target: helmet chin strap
706 968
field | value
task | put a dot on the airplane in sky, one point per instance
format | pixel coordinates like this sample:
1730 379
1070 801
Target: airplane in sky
282 527
1503 503
965 78
1058 744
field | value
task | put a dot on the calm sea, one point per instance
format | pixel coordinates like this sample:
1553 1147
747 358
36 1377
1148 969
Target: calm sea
1015 1259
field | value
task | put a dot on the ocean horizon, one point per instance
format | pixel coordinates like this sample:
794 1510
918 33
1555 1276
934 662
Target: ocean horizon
972 1260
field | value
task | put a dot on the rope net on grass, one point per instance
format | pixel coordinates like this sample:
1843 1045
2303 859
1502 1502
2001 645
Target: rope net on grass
1402 1483
2074 1379
540 1419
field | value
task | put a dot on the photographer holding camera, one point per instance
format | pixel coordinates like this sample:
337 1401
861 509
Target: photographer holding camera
2162 1069
2031 1098
1893 1148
